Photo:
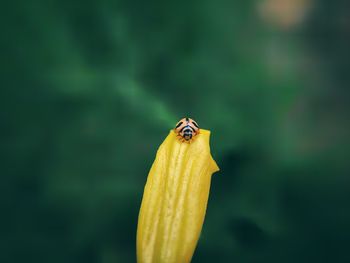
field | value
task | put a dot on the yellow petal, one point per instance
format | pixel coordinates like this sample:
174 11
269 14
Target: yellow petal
174 200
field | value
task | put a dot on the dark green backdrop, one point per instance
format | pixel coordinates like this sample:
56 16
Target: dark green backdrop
91 88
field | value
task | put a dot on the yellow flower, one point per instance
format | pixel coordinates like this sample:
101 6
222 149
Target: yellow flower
174 200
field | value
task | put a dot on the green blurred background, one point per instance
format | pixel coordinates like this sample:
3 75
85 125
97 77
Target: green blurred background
91 88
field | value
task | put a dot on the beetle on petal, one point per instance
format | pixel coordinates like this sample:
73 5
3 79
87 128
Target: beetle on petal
186 129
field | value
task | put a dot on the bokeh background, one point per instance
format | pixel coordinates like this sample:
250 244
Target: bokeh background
91 88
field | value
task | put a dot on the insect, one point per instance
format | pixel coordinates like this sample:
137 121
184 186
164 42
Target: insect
186 129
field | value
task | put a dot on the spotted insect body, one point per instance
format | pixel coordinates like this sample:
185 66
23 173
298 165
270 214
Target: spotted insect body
186 129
